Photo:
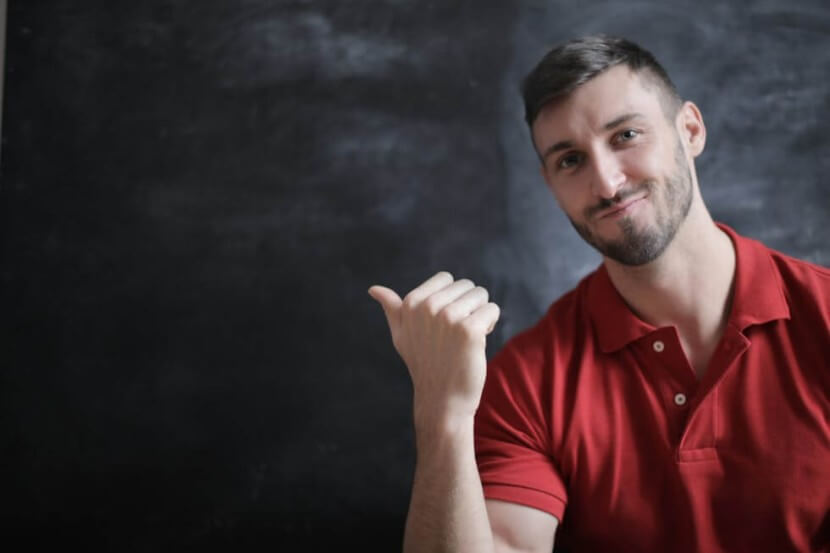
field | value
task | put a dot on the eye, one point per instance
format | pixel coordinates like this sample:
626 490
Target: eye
569 160
626 135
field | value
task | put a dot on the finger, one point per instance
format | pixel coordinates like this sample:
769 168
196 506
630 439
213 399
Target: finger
483 320
439 300
390 301
465 304
433 284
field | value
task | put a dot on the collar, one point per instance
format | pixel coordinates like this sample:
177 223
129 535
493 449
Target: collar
757 297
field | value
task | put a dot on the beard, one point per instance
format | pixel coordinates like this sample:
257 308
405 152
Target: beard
638 246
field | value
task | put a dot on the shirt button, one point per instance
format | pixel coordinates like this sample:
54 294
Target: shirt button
658 346
680 399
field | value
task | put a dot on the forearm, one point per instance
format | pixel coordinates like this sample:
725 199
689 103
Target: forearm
447 512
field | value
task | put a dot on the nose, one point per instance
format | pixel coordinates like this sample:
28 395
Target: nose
608 175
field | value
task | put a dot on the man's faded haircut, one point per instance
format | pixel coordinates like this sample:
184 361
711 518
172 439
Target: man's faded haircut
577 61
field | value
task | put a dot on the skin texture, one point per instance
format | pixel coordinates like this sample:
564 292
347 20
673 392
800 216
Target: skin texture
622 169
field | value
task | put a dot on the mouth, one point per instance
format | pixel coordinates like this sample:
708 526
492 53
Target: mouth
620 209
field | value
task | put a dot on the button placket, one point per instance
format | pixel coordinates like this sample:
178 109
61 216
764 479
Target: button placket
679 398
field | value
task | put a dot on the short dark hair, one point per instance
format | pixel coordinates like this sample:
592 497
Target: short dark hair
577 61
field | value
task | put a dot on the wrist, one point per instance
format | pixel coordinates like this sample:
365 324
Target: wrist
442 416
436 430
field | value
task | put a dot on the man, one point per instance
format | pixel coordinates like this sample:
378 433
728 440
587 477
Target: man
678 399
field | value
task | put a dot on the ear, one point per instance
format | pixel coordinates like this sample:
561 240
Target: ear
691 129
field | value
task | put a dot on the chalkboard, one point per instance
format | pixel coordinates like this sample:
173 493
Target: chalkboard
196 196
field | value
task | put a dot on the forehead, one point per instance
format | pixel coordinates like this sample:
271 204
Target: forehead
612 93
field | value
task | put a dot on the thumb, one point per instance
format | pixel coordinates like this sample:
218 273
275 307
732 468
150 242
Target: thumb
391 303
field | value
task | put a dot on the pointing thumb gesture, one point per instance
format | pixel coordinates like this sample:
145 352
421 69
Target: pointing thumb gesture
439 329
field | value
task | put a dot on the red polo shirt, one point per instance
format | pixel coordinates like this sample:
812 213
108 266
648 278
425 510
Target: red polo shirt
597 418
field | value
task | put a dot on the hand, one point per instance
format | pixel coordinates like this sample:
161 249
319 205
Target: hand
439 329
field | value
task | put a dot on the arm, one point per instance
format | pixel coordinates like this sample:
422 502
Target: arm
521 529
448 511
439 329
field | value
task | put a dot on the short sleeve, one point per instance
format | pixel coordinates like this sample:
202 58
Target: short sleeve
512 434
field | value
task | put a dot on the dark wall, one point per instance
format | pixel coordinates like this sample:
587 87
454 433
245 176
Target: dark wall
196 195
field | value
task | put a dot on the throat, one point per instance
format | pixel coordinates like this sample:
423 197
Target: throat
690 287
699 353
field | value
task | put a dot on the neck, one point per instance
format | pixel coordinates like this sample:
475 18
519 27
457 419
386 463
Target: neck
689 286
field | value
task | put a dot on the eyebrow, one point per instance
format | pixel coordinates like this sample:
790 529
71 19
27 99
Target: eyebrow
620 120
565 144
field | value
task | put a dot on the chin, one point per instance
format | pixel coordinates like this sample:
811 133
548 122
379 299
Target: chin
630 244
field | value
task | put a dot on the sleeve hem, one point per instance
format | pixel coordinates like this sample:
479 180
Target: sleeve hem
529 497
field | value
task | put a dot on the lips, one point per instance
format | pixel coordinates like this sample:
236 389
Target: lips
617 208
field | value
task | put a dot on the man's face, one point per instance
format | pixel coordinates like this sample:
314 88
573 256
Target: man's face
617 165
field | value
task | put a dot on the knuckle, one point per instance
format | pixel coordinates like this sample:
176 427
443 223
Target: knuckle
431 306
449 314
409 302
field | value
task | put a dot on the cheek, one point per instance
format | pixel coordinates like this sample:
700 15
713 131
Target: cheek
572 198
642 165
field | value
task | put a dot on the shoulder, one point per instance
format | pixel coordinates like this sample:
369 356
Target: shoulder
525 375
802 273
804 284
